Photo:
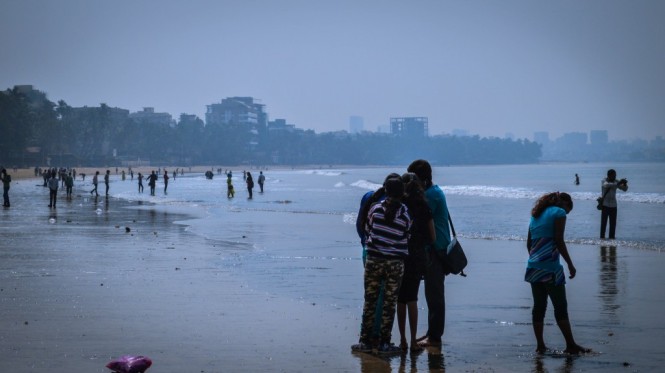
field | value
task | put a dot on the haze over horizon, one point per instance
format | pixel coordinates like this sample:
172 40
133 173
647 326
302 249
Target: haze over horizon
487 67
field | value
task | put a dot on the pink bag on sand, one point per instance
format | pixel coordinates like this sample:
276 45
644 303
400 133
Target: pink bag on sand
130 364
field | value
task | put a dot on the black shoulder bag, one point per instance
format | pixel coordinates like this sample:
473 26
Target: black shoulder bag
455 258
600 200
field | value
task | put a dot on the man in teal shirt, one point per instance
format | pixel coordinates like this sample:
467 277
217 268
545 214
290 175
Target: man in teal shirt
434 274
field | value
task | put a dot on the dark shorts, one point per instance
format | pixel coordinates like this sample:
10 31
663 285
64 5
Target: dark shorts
413 274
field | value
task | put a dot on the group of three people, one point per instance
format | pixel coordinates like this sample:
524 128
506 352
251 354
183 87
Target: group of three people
403 227
404 231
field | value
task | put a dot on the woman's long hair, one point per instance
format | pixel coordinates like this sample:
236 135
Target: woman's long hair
550 199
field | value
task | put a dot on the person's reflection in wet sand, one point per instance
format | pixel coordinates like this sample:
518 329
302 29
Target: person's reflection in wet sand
608 282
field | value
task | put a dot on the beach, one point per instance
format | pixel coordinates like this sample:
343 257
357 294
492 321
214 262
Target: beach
271 285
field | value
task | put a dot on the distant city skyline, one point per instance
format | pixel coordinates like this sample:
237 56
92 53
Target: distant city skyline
481 67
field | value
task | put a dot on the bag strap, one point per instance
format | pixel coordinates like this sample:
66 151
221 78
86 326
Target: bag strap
452 227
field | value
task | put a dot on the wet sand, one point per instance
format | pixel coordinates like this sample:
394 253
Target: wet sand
77 290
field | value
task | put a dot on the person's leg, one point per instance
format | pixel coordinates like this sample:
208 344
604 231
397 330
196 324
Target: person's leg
557 294
436 303
603 221
394 269
372 283
412 310
612 212
401 324
539 293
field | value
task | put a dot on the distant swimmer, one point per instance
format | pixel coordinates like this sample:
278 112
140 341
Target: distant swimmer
577 179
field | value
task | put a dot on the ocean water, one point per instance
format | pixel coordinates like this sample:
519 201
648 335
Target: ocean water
488 202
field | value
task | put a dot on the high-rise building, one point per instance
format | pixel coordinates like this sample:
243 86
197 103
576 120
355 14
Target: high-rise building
237 110
409 126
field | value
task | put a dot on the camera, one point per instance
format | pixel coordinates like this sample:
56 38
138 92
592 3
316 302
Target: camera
623 181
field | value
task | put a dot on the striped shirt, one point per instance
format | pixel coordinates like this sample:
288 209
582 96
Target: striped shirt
388 239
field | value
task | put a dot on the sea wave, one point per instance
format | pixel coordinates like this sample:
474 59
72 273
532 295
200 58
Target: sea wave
525 193
322 172
364 184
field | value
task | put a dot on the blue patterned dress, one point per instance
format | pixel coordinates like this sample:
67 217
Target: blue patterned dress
543 264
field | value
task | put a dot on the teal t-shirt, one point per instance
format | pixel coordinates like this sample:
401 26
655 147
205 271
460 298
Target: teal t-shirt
437 203
543 226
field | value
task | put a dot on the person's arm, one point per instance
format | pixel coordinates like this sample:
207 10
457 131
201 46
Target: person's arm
432 231
559 229
528 242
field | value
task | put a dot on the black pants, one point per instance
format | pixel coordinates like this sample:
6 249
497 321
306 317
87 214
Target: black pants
611 214
435 296
53 194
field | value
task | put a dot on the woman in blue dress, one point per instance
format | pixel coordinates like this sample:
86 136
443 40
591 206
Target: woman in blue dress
545 244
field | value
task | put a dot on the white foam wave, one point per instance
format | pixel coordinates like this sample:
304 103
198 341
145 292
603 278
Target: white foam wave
339 185
524 193
322 172
364 184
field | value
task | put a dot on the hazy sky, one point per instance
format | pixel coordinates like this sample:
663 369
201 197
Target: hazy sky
489 67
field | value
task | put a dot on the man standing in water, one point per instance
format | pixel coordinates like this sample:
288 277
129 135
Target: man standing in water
435 274
152 180
262 180
106 179
6 180
166 180
609 211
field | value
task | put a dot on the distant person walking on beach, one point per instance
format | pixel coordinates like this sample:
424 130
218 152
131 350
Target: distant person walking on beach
95 181
387 228
435 274
53 183
609 211
152 180
545 244
166 180
577 179
422 234
230 193
250 183
6 180
140 177
69 184
106 179
262 180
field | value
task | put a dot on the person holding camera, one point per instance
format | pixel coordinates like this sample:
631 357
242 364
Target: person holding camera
609 211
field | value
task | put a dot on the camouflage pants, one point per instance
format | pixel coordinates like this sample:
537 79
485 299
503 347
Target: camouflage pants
378 270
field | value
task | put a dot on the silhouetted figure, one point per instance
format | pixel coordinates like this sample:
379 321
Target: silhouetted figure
609 211
6 180
250 183
152 181
53 183
262 180
69 184
577 179
106 179
166 180
140 177
95 182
